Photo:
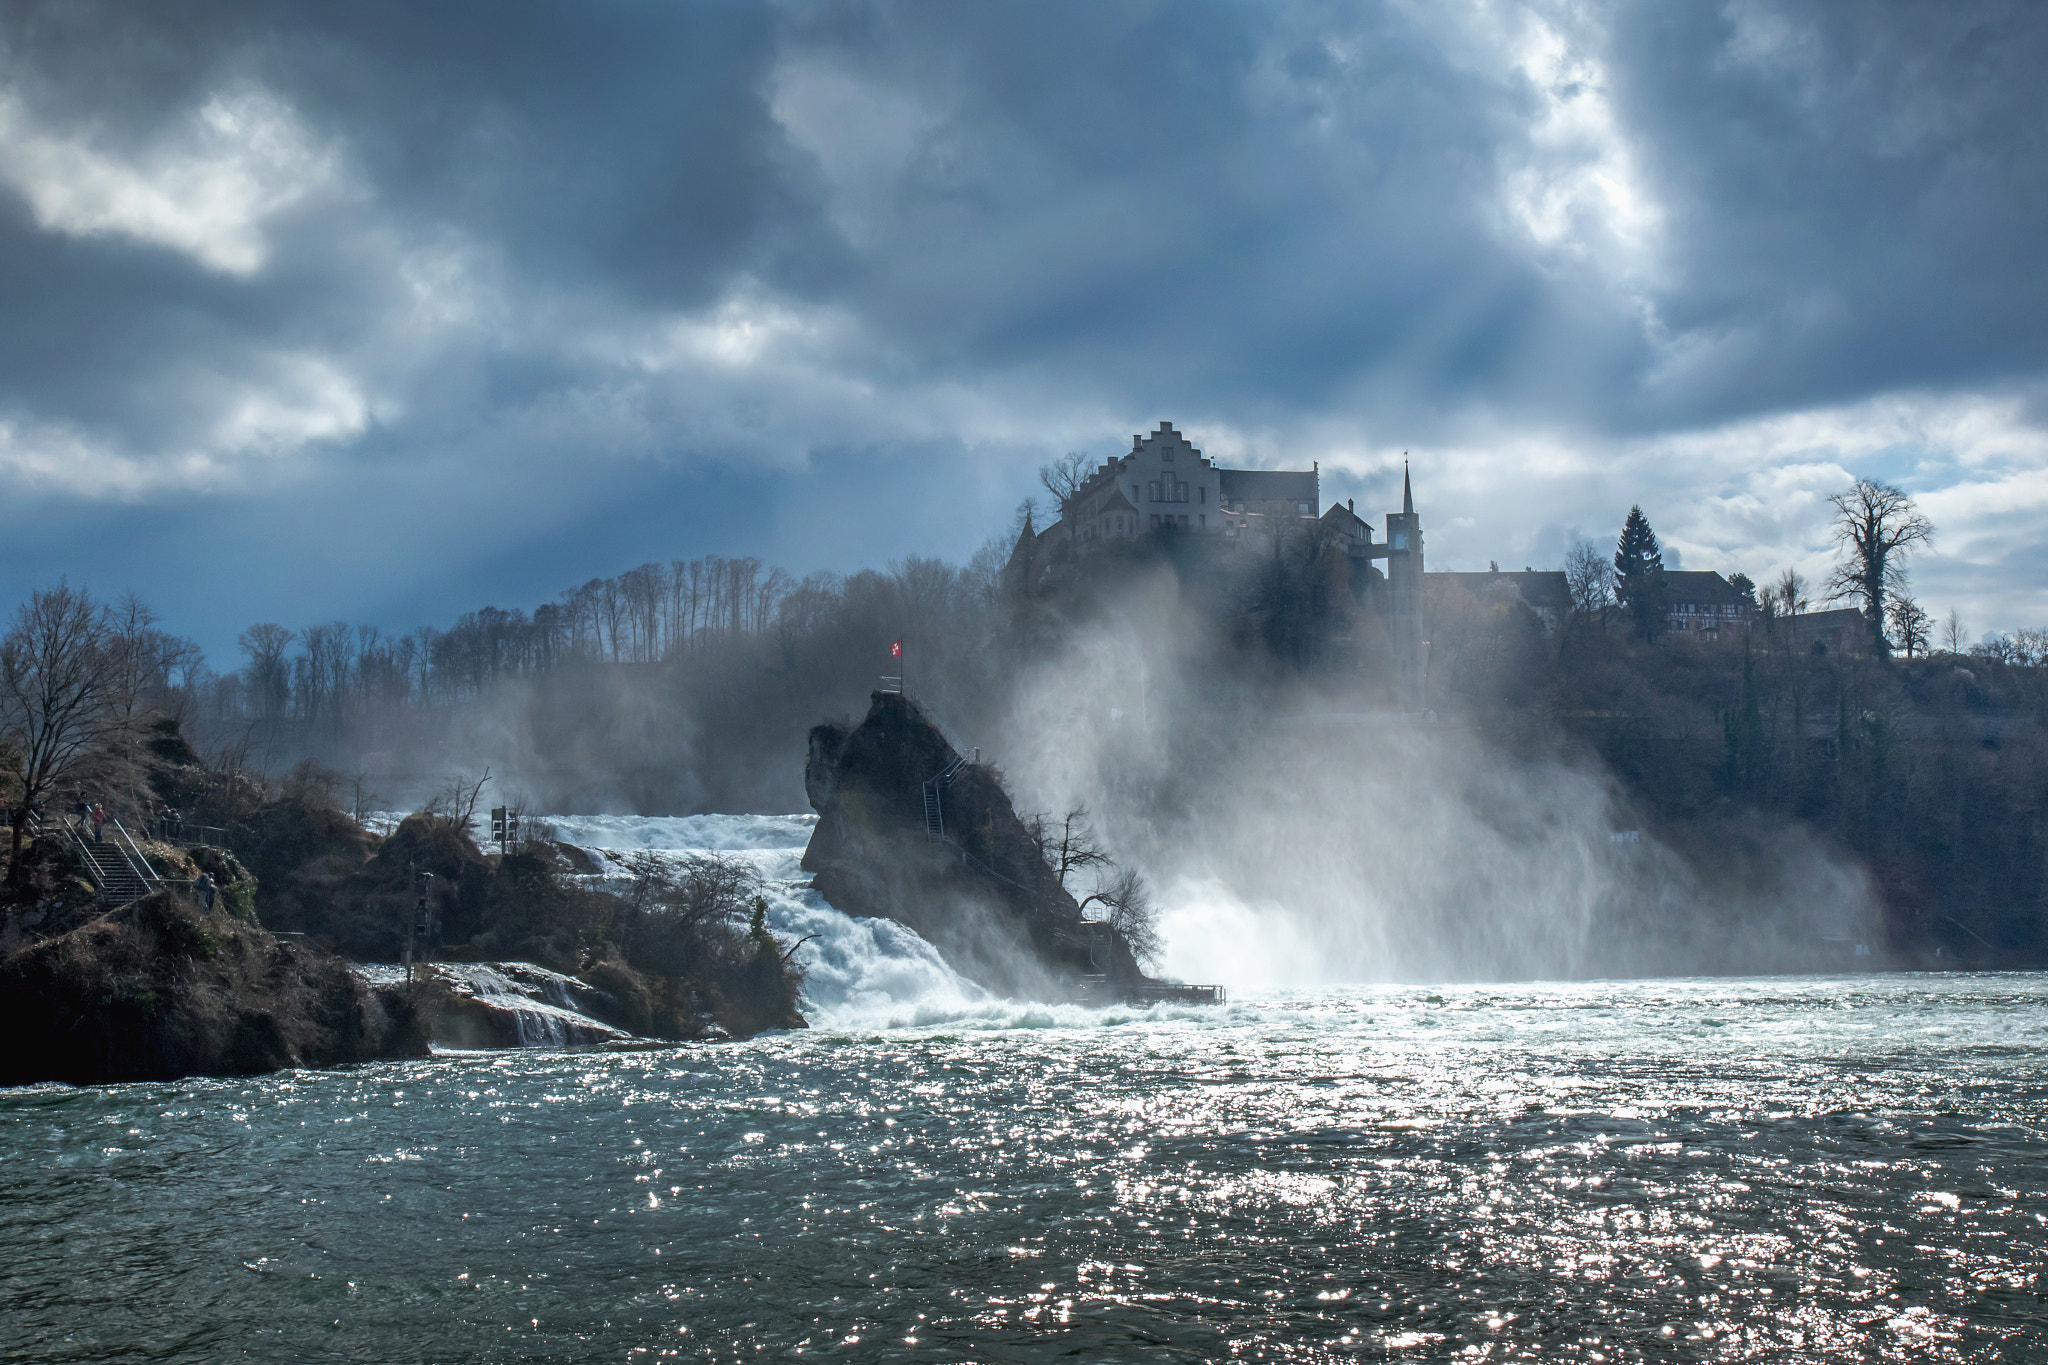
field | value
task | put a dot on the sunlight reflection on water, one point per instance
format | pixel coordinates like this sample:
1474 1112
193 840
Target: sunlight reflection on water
1701 1170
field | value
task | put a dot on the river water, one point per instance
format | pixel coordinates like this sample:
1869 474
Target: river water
1818 1168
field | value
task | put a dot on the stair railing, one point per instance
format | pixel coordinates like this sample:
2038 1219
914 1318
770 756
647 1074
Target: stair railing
134 854
83 849
185 832
934 789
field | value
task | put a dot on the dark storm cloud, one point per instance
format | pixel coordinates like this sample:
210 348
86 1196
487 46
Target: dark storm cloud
625 151
1857 194
1200 204
480 299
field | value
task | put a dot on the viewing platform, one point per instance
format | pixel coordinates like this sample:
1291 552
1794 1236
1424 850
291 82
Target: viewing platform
1097 990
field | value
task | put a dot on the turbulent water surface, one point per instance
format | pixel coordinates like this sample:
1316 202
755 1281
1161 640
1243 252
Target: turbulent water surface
1787 1168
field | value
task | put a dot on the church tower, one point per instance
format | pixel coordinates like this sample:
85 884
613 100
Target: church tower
1404 596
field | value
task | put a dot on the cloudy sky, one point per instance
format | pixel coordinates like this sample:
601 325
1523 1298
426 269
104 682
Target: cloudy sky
386 311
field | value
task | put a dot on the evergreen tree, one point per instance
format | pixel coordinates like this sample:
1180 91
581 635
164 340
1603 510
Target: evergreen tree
1639 574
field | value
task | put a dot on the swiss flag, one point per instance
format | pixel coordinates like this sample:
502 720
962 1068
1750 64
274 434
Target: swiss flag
895 649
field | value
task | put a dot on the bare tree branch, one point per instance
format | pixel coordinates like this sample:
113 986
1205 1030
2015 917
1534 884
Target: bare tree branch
1064 477
59 694
1877 527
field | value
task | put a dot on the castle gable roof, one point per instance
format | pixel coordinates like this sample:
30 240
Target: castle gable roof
1268 485
1697 588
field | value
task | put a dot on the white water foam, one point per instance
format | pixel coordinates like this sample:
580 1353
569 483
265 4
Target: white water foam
541 1004
858 973
695 833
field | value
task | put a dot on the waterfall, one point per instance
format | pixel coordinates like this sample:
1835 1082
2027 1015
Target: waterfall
858 973
508 1004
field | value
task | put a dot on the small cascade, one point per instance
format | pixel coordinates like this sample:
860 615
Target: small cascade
858 973
509 1004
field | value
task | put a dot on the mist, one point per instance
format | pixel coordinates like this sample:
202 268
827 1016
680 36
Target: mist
1568 802
1299 835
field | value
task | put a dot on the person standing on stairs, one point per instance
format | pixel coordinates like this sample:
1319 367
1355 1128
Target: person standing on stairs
99 822
204 886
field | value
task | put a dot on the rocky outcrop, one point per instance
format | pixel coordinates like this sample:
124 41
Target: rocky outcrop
161 988
981 894
480 1005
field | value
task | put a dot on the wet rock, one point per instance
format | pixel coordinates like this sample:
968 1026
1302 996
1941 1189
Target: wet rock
161 988
980 891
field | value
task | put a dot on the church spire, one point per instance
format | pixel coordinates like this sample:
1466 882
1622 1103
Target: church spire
1407 493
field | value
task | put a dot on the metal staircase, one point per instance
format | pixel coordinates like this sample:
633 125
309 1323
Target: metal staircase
119 872
934 813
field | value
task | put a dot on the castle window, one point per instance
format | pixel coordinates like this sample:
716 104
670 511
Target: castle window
1203 496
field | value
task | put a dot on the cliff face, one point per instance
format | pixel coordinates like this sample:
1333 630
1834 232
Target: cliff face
161 988
982 895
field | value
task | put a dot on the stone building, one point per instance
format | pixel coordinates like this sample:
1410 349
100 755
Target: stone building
1164 480
1165 483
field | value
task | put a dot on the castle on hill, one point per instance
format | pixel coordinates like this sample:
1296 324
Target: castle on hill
1164 485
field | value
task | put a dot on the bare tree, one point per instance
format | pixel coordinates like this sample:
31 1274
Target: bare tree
1588 580
328 661
1877 527
1130 911
1910 625
645 591
1790 590
675 910
1070 848
457 800
1067 844
691 890
1952 632
131 654
59 695
361 800
767 598
233 785
983 576
1065 477
270 677
311 783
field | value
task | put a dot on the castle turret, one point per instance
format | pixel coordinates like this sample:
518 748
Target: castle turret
1404 595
